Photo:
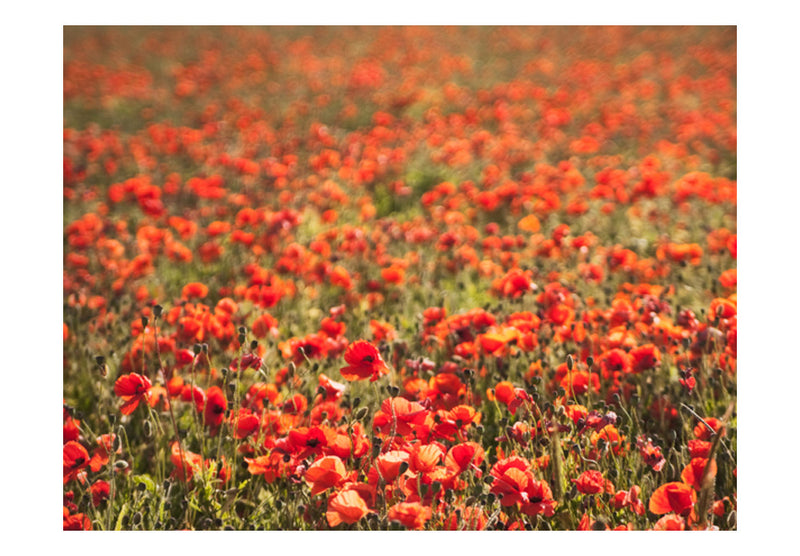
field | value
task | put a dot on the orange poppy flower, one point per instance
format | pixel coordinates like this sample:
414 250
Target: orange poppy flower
364 361
722 308
194 290
425 458
389 463
673 497
346 507
325 473
728 279
529 224
132 388
412 515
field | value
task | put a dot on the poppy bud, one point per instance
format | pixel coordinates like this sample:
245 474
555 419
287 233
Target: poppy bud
242 330
121 465
590 361
157 310
253 344
361 413
570 362
241 338
356 402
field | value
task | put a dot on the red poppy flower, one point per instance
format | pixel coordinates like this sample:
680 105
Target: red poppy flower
511 478
412 515
346 507
194 290
245 423
191 462
215 407
333 389
400 416
364 361
693 473
670 522
539 499
645 357
325 473
673 497
698 448
132 388
75 459
76 522
100 491
650 453
702 432
623 499
100 455
593 482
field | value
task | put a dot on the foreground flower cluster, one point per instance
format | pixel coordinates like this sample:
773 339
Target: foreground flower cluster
400 278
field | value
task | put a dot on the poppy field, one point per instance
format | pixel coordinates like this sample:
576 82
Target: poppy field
399 278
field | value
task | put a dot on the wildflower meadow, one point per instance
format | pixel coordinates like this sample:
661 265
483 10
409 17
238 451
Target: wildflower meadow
379 278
